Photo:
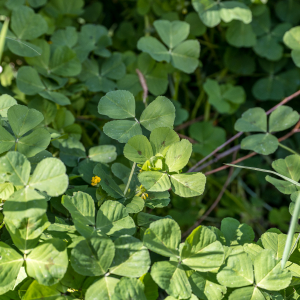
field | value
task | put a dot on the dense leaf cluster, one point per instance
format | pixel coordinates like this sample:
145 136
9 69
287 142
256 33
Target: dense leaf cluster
95 185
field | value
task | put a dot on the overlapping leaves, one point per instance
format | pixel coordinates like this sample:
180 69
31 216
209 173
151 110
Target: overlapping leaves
182 54
121 105
255 120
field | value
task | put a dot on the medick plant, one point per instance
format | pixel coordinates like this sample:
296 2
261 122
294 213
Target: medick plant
109 110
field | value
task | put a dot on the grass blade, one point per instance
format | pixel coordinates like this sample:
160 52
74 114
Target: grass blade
3 36
288 243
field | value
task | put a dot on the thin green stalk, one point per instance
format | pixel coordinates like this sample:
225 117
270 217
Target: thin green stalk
129 179
197 104
147 25
176 78
206 111
289 240
287 148
3 36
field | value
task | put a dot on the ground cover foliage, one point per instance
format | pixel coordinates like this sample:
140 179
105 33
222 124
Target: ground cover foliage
116 120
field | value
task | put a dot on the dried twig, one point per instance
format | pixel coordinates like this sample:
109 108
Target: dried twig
185 234
284 101
187 138
144 85
293 131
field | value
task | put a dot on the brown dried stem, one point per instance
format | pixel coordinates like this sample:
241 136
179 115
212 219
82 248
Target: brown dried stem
284 101
144 85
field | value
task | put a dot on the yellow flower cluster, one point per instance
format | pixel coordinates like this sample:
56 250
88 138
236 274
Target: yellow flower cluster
95 180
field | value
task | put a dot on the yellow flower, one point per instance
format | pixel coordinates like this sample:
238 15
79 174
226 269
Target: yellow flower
144 196
95 180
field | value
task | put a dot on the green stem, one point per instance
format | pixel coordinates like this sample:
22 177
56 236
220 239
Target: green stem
289 240
207 111
16 146
147 25
3 36
197 104
288 149
176 78
129 179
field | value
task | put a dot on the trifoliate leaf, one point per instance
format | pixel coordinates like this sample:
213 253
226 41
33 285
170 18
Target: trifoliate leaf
178 155
201 250
135 205
93 257
238 270
10 263
264 144
131 257
14 168
24 204
189 184
33 143
172 33
197 27
23 119
113 219
226 98
282 118
154 181
128 289
103 288
82 209
205 286
239 34
247 293
162 138
38 291
138 149
64 62
48 262
154 48
117 105
122 130
209 137
171 277
163 237
26 232
28 81
212 12
268 272
6 102
103 153
151 288
236 233
185 56
50 176
159 113
253 120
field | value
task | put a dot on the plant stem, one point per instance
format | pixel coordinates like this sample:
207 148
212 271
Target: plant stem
144 86
3 36
288 149
176 78
197 104
207 111
147 25
129 179
288 243
284 101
